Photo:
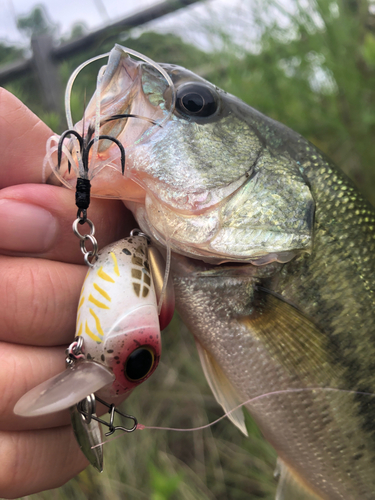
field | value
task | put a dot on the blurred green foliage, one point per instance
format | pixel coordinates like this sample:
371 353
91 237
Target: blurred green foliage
312 67
9 53
163 484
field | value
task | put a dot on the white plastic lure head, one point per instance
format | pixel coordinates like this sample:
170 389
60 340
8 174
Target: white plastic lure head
118 321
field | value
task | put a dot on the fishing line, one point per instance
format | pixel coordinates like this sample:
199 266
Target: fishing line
97 116
142 427
167 241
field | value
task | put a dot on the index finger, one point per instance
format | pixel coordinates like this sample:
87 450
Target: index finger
23 139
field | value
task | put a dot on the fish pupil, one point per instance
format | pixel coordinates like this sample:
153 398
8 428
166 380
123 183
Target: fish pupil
139 364
193 102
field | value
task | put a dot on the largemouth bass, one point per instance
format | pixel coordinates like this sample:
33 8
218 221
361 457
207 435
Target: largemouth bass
272 259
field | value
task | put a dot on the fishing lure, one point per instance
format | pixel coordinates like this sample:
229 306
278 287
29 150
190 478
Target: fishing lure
117 344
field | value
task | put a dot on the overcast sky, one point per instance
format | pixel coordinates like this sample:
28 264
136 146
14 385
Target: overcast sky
96 13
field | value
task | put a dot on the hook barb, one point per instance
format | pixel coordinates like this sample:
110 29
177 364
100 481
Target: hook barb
85 155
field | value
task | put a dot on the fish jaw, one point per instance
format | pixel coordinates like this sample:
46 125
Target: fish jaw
260 210
216 191
244 227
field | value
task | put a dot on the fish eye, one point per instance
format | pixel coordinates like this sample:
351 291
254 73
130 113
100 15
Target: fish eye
196 99
139 364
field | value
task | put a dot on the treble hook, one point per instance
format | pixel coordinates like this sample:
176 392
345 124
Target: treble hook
59 147
84 150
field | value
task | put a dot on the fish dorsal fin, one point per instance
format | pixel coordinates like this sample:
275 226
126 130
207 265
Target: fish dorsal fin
290 487
222 389
64 390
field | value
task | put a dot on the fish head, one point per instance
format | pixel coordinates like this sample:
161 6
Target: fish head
201 172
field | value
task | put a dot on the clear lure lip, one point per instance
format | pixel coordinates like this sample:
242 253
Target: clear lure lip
64 390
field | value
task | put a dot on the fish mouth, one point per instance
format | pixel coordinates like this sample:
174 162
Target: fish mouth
133 100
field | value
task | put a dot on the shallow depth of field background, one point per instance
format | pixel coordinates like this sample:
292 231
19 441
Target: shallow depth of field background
307 63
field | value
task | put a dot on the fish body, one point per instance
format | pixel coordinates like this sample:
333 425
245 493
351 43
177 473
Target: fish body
272 260
306 323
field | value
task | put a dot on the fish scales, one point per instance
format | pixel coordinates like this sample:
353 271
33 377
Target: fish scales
335 286
342 308
273 265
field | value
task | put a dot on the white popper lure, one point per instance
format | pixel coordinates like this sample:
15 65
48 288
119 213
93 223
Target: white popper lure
117 344
118 321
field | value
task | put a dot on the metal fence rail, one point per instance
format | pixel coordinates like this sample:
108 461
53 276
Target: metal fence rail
46 54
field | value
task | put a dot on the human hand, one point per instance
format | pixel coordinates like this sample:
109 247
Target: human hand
41 269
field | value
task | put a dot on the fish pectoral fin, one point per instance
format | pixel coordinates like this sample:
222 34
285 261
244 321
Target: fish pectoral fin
290 487
222 389
292 338
64 390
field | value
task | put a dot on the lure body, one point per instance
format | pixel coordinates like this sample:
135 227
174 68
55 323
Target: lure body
118 321
117 313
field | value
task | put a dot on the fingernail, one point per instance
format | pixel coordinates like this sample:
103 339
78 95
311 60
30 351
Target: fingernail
25 228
